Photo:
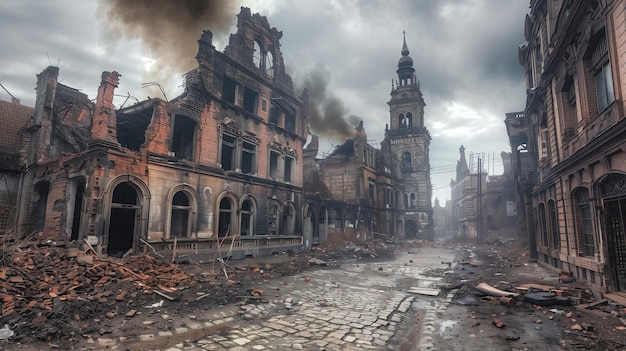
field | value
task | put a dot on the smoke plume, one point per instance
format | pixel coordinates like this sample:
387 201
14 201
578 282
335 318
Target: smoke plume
170 29
328 115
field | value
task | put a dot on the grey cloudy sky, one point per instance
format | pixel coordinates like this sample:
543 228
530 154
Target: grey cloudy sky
464 52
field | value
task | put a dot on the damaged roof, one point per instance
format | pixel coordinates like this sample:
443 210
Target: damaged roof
13 117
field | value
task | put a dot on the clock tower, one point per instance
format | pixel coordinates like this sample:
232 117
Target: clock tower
409 142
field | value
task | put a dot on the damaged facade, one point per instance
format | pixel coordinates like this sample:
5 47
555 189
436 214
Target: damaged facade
221 160
219 169
367 192
572 130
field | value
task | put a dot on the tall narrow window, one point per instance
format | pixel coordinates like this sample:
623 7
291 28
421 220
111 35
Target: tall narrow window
229 90
247 216
248 157
585 223
275 115
184 137
543 225
602 74
269 63
179 226
228 152
289 161
257 55
225 217
406 161
274 156
409 120
250 98
290 122
554 225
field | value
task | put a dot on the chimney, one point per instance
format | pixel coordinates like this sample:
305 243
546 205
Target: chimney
104 122
42 118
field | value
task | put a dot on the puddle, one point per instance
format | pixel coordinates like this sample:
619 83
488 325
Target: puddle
446 324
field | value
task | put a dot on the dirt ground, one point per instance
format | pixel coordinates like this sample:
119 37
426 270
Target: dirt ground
57 300
558 327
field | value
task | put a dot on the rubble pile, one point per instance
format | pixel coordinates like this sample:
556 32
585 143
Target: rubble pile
49 290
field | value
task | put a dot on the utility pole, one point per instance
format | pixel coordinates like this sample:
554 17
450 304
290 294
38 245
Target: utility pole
480 201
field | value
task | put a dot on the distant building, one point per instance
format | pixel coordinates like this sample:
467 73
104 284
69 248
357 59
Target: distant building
359 191
572 130
484 207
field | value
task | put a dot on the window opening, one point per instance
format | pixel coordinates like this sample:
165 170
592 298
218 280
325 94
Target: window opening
274 156
246 218
179 226
248 153
228 152
250 100
229 90
184 136
288 169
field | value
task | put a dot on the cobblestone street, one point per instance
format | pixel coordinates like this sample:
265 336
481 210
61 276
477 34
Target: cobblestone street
358 307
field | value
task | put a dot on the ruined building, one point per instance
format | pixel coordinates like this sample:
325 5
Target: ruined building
573 129
222 160
218 170
360 191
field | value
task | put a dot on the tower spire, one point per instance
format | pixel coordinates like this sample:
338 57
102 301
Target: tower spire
405 49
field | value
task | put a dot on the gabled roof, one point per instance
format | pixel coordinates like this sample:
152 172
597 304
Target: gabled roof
13 117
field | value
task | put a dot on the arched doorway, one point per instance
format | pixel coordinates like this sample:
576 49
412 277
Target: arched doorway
124 219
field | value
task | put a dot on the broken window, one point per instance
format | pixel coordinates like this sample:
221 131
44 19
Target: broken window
290 122
179 226
131 128
228 152
224 222
250 98
229 91
257 55
41 202
335 219
247 217
288 220
184 137
76 191
248 157
274 157
272 219
269 63
289 161
275 113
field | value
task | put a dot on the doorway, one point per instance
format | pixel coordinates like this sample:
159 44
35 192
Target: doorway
124 219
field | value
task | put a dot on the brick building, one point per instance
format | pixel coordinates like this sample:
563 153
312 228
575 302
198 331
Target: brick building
573 130
220 169
219 164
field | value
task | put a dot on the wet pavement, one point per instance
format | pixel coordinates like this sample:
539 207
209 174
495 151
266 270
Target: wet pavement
359 306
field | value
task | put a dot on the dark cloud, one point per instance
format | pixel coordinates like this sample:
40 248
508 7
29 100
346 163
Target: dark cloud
168 28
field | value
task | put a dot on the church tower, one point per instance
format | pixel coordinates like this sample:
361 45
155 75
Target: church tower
409 142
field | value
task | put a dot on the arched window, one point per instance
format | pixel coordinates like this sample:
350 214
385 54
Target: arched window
269 63
179 223
288 220
247 218
335 219
413 202
401 120
409 120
